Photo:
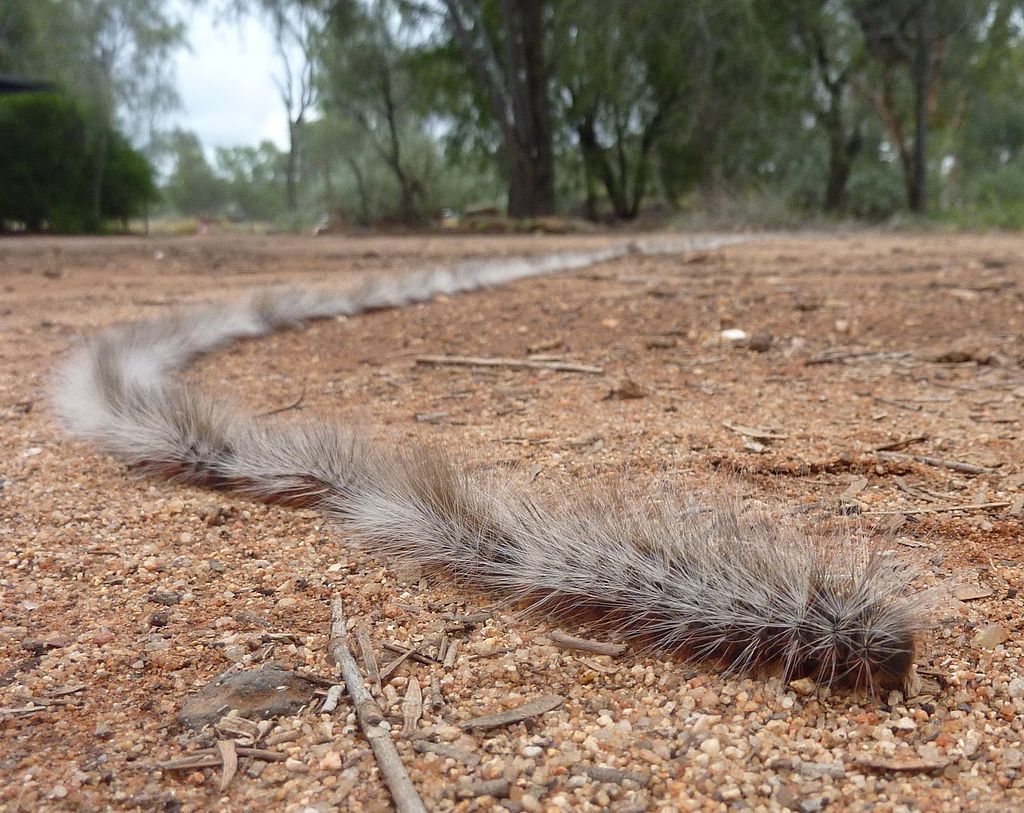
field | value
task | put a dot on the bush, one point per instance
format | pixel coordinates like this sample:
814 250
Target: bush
49 167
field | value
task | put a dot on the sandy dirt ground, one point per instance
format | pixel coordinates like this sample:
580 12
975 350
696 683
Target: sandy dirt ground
883 377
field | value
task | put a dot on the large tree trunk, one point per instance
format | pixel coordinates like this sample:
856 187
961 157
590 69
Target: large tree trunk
515 75
407 196
532 165
842 151
917 192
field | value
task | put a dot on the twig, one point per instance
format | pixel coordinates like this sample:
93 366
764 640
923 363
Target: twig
566 641
532 709
392 665
939 509
899 404
415 655
896 445
511 364
403 792
293 405
938 462
211 758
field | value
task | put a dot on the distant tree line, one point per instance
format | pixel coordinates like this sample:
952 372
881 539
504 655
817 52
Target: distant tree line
399 109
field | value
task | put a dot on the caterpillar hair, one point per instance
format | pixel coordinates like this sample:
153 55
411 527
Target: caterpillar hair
701 578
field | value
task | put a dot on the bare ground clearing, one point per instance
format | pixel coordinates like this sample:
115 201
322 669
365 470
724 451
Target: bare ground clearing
869 356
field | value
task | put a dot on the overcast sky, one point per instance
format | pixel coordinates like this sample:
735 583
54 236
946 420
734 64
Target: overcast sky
226 82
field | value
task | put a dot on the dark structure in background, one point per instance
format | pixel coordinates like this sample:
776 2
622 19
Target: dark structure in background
13 84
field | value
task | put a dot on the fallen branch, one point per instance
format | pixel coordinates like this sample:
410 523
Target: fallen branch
403 792
510 364
293 405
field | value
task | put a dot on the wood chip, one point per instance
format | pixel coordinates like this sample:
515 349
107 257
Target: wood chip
972 592
369 659
412 707
534 708
333 697
451 655
229 759
566 641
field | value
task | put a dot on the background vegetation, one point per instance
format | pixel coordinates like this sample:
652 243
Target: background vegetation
747 111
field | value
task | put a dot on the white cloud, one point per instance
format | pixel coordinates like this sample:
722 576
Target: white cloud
225 80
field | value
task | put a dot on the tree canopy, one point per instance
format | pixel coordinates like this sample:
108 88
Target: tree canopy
398 110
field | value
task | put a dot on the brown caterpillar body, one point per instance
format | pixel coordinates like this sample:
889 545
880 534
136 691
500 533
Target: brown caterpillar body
704 580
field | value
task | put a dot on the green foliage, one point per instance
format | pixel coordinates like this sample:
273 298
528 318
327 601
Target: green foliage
765 111
193 187
129 185
48 169
255 178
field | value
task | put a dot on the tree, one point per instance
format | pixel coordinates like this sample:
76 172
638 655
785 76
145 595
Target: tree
917 36
193 188
633 73
507 49
110 55
46 175
298 29
828 76
368 78
254 177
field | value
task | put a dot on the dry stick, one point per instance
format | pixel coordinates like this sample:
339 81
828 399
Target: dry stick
938 462
512 364
565 641
534 708
403 792
415 654
391 666
901 444
293 405
938 509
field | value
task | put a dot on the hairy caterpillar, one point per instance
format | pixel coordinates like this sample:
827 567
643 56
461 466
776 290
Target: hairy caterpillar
702 579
